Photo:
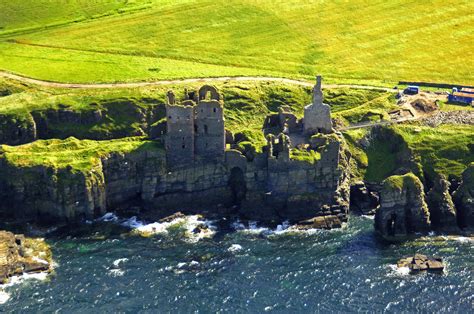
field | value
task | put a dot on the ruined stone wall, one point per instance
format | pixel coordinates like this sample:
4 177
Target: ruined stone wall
210 130
180 135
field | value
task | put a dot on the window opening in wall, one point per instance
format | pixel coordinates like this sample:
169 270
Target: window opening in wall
215 110
184 146
205 129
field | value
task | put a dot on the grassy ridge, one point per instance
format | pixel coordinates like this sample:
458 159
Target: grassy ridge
371 42
446 149
79 155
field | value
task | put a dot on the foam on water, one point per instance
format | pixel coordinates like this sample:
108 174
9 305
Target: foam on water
16 280
394 270
285 228
4 297
464 239
116 272
235 248
119 261
188 224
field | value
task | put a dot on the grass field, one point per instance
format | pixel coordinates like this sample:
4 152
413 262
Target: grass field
376 42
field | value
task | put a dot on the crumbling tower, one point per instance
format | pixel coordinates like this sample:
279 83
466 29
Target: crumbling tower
209 126
179 140
317 115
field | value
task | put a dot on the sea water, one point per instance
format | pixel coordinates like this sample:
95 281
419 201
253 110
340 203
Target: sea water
246 268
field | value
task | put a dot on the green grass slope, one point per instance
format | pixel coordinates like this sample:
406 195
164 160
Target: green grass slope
372 42
446 149
246 105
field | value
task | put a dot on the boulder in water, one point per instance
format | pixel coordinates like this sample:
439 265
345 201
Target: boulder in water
419 262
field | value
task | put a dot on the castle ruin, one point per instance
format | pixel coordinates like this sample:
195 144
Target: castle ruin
195 127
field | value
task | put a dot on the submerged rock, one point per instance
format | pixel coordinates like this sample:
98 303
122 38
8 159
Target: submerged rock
320 222
421 262
19 255
403 210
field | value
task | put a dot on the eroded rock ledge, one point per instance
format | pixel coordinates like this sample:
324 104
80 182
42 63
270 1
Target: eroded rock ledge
20 255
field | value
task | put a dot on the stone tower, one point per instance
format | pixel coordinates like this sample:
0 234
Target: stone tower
209 125
179 142
317 116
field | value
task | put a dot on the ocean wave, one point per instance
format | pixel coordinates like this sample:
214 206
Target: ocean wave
190 225
284 228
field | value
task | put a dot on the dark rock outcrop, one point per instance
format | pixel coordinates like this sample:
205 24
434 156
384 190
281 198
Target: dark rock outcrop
15 129
403 210
441 206
464 199
19 255
363 201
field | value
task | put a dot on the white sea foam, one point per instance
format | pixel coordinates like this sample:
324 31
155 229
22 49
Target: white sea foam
15 280
398 271
4 297
188 224
116 272
109 217
282 229
235 248
464 239
119 261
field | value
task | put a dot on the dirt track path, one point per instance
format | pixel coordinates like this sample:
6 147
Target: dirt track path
171 82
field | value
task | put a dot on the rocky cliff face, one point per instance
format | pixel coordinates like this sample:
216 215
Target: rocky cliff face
265 188
49 194
403 210
442 209
464 199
